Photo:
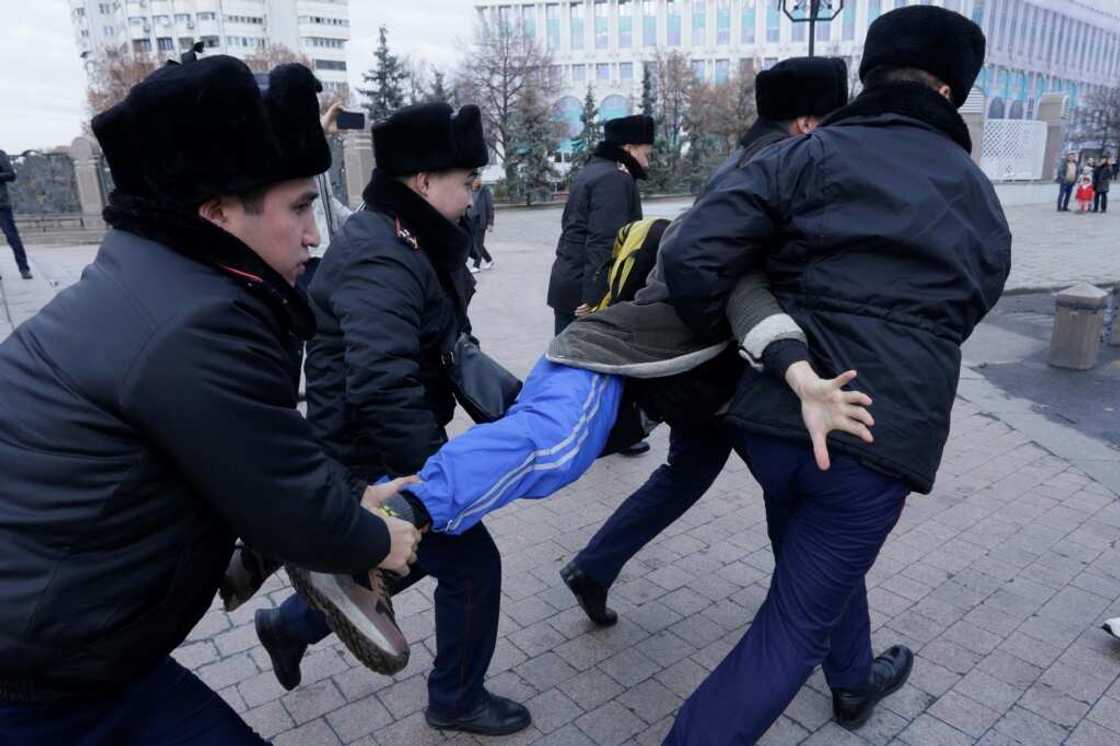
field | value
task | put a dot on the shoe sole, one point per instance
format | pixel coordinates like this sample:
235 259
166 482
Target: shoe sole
363 639
857 724
467 728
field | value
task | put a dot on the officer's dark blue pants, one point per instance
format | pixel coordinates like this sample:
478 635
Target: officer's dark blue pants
468 571
826 529
8 226
169 705
696 458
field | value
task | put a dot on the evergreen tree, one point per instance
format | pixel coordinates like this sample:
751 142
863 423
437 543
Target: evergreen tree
659 173
649 96
384 81
529 169
583 147
439 90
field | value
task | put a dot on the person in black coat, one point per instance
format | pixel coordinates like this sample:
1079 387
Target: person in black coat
603 198
480 218
1102 180
391 292
7 219
149 416
884 241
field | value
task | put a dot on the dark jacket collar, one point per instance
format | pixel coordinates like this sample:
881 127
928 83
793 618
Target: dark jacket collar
612 152
912 100
762 133
204 242
445 244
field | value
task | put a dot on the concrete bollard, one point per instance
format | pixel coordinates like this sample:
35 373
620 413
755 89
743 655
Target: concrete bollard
1078 317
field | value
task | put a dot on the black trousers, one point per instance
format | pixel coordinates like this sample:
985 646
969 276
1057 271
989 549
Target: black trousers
8 225
1064 193
1100 202
479 254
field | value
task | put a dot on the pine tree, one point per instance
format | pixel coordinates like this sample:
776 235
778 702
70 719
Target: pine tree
384 81
649 97
529 169
659 173
439 90
583 147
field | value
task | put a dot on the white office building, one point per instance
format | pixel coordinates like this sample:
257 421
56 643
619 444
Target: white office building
1034 46
317 29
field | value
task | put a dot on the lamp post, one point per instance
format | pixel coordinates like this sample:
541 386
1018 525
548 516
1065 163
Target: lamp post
811 11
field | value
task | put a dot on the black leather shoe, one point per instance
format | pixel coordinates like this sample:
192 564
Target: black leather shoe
591 595
496 716
639 448
284 652
853 707
25 274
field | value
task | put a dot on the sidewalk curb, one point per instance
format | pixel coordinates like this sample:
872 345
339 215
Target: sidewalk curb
1097 459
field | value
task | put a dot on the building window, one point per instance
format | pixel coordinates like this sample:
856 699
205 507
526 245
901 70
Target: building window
324 43
649 23
136 21
165 44
746 22
603 72
875 9
769 62
186 42
626 71
699 23
673 9
162 20
773 21
723 71
210 41
182 18
601 25
579 74
723 21
104 8
698 70
625 24
141 46
529 21
552 25
207 16
797 33
577 24
330 65
824 31
954 5
79 12
108 30
849 23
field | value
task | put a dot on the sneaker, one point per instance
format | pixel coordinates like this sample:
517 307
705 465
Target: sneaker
474 270
245 575
362 617
489 264
853 707
284 652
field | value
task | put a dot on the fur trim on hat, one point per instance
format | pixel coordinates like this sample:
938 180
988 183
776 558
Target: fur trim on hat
427 137
801 87
637 129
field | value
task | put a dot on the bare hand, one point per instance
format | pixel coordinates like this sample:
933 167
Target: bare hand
583 310
329 119
403 539
826 406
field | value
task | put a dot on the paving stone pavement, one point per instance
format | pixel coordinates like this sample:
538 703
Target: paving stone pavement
998 580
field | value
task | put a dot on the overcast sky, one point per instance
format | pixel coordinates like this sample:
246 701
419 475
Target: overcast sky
42 83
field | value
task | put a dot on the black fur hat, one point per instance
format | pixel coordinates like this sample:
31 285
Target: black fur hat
192 131
801 87
636 129
939 41
429 137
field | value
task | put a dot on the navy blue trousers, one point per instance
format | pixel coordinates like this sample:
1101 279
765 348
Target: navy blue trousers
8 226
1064 193
696 458
468 571
169 705
826 529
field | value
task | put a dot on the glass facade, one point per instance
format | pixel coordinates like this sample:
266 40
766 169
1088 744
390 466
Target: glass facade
773 23
625 24
552 25
723 21
723 71
699 22
649 23
601 24
673 13
747 22
576 24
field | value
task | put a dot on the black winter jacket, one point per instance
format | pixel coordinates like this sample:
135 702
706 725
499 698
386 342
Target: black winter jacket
7 175
148 419
884 242
392 288
604 197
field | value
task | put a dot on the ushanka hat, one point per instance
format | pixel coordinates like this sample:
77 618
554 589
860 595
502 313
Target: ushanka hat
801 87
192 131
938 41
632 130
429 137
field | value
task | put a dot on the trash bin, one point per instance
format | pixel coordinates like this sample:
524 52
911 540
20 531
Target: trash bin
1078 317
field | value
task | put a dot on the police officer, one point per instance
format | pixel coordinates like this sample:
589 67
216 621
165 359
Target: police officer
604 197
392 289
791 98
869 246
149 416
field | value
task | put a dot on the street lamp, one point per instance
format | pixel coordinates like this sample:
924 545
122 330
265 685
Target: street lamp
811 11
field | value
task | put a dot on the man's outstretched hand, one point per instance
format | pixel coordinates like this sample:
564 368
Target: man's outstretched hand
826 406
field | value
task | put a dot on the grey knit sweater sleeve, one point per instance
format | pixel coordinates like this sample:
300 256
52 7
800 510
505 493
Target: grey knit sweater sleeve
757 320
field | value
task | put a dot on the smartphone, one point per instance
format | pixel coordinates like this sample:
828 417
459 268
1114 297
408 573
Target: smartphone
351 120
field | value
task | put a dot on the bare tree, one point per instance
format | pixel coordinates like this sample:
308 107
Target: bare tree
497 66
273 55
111 75
1100 118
